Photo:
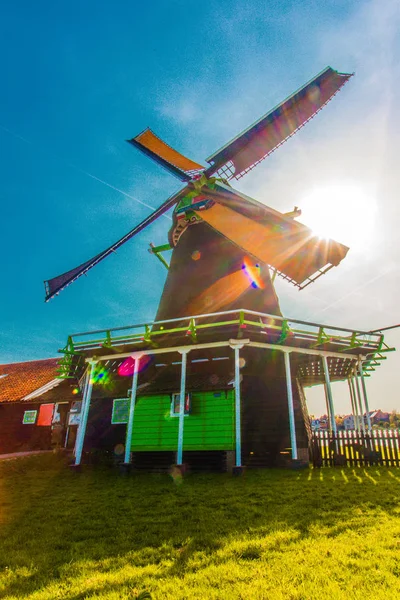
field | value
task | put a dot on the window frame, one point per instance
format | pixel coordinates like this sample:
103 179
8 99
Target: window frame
188 404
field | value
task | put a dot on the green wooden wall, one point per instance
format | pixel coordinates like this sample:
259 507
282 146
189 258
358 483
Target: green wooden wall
209 426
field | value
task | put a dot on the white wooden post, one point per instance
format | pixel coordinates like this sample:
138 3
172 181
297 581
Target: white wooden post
84 412
359 402
292 424
328 410
238 426
329 394
129 427
237 345
364 389
86 378
179 454
353 387
353 405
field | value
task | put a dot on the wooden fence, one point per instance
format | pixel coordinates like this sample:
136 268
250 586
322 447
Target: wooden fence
354 448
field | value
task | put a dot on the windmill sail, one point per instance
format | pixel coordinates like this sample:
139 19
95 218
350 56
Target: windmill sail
57 284
172 160
286 245
245 151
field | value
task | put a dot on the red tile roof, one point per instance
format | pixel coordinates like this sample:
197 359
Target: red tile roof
25 377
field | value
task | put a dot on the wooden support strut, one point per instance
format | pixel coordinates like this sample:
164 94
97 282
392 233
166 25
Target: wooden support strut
156 250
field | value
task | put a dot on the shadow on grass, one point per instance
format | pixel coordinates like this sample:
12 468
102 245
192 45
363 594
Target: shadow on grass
54 519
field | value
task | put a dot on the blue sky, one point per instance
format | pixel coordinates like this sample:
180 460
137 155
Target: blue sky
79 78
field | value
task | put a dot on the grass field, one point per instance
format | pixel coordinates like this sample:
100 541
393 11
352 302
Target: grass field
314 534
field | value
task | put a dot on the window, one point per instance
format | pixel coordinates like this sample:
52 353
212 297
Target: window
175 404
75 413
120 411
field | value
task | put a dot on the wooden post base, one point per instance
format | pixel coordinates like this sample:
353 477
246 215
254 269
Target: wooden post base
238 471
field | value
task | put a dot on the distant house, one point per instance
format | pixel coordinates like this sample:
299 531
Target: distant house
348 422
377 416
34 406
315 424
324 422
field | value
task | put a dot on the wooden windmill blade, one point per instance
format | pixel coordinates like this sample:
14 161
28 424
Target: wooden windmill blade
253 145
55 285
269 236
162 153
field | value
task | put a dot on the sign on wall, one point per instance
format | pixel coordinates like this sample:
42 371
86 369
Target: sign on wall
120 411
29 417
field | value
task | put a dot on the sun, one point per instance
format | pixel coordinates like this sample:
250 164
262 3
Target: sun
343 212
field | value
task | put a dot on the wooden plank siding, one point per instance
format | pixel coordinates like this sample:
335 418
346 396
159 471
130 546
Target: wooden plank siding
209 426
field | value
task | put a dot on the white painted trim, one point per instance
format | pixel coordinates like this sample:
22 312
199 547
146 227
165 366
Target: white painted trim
42 390
159 351
281 347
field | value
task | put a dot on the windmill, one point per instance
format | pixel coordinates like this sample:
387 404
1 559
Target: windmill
227 248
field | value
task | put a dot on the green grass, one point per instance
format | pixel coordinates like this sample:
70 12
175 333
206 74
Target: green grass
314 534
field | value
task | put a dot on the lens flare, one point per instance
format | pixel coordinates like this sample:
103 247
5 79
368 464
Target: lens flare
196 255
119 449
227 289
101 376
345 212
253 273
127 368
